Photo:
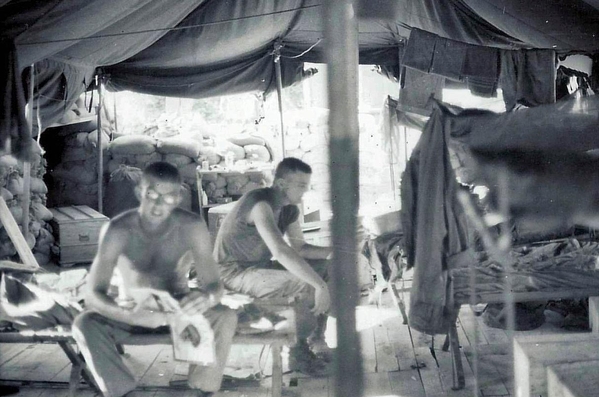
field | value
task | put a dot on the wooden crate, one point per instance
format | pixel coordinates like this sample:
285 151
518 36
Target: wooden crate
578 379
532 354
77 230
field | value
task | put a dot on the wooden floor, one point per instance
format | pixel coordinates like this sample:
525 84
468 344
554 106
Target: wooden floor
397 361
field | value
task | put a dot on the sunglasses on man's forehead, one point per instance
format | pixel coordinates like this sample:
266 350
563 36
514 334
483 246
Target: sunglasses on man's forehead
169 198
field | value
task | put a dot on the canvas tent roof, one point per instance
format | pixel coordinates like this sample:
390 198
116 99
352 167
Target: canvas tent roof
199 48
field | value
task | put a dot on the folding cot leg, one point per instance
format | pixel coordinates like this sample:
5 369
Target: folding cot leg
459 381
79 368
277 370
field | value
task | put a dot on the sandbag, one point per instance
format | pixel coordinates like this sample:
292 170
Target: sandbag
77 173
6 194
15 185
188 172
76 154
35 227
248 187
126 173
8 161
257 153
186 193
218 193
224 147
39 211
220 182
77 140
138 160
178 160
92 140
38 186
133 144
209 153
120 192
17 212
112 166
247 139
186 147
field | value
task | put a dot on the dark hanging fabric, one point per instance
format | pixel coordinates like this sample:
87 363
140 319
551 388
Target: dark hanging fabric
417 89
57 87
436 237
569 125
15 135
481 70
449 58
527 77
477 66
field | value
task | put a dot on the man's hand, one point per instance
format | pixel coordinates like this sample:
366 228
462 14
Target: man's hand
322 300
148 318
197 302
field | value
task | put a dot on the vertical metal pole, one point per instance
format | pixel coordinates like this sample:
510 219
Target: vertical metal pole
99 83
341 34
26 199
277 60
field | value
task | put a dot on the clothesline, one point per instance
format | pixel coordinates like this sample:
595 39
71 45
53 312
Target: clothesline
172 28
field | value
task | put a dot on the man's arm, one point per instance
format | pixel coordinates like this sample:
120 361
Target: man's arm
211 287
263 218
295 235
111 245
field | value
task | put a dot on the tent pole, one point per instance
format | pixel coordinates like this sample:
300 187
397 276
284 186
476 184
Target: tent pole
277 60
341 35
26 199
99 83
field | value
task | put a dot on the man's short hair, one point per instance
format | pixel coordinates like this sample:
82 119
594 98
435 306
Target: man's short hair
291 165
162 171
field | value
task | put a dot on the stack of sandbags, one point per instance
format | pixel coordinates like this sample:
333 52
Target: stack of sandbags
120 192
39 237
75 178
140 150
133 150
232 184
255 148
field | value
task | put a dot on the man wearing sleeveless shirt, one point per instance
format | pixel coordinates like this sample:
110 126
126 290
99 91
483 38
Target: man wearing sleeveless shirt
255 259
152 246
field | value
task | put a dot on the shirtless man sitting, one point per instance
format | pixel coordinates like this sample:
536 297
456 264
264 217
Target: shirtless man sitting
152 246
253 233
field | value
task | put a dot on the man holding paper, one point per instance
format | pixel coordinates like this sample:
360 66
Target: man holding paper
153 247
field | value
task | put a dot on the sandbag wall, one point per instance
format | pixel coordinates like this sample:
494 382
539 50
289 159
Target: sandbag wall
254 150
137 151
39 237
74 180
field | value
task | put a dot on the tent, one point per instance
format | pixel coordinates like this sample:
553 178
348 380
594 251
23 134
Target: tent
200 48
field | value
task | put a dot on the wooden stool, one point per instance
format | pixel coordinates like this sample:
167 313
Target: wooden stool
577 379
532 354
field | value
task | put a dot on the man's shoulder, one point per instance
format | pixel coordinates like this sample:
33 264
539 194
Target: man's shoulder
257 195
185 217
124 219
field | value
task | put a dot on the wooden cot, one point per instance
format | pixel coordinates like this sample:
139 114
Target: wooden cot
567 292
276 339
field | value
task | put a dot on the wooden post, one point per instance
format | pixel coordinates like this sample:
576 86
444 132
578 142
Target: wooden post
99 83
277 60
15 235
26 198
341 38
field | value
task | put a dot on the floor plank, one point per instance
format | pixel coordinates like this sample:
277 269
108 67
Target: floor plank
376 384
313 387
406 383
10 350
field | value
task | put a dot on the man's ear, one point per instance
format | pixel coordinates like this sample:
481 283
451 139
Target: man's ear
137 191
280 183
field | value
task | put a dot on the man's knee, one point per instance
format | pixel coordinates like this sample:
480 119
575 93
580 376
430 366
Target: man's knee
225 319
86 321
